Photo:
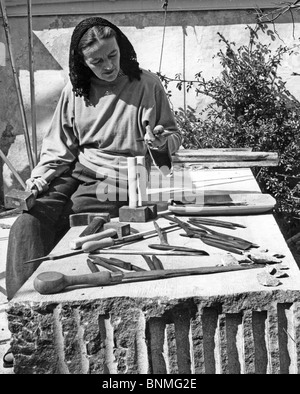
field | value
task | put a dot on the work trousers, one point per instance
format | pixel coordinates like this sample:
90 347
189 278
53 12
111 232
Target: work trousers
35 233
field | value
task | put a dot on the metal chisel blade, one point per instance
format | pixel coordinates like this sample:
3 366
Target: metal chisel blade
54 257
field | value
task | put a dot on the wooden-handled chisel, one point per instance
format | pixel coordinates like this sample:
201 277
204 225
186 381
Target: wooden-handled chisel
79 242
119 241
93 245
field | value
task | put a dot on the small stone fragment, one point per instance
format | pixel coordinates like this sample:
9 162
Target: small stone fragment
271 270
5 226
263 258
262 250
267 280
229 260
245 261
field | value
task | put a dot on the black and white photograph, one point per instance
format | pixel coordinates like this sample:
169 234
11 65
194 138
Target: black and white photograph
149 190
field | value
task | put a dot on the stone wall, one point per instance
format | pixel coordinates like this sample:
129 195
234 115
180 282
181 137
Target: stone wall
191 41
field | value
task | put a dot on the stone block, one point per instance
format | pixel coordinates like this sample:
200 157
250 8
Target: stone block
122 229
223 335
138 215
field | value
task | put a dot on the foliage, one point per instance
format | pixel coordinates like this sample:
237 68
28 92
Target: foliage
251 107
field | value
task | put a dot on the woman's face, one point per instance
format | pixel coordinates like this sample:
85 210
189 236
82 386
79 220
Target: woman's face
103 58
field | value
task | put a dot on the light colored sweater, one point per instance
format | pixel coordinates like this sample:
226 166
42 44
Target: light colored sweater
104 134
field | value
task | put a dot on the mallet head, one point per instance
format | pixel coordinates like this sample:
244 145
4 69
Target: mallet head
20 199
50 283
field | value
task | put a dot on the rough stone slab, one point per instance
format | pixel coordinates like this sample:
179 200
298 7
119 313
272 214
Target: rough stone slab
206 324
224 335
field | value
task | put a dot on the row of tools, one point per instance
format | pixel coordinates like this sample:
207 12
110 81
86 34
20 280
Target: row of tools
105 242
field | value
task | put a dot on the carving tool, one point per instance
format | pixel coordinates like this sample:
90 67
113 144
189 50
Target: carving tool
164 245
239 242
117 263
134 237
106 264
123 252
153 263
212 241
149 262
206 238
96 245
157 263
216 223
55 282
92 266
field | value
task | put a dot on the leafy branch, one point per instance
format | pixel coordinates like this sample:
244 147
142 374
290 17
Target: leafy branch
252 108
274 15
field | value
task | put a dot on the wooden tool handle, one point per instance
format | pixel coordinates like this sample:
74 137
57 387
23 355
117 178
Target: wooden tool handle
91 246
142 180
49 175
55 282
95 226
77 243
162 236
132 182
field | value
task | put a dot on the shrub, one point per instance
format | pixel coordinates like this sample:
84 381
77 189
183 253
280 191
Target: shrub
251 107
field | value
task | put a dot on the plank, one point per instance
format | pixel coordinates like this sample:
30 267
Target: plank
229 164
227 204
226 157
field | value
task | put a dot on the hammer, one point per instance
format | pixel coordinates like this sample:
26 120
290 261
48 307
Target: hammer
23 200
55 282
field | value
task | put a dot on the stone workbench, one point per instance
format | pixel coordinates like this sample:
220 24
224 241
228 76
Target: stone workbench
213 324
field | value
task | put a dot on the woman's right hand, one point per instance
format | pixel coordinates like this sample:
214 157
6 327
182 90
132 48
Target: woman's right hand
38 184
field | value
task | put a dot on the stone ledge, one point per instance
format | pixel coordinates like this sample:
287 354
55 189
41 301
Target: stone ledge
257 333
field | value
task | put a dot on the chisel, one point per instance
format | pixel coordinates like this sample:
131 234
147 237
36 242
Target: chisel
120 241
55 282
91 246
123 252
118 263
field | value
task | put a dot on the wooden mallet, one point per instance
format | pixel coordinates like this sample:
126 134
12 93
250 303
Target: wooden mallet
55 282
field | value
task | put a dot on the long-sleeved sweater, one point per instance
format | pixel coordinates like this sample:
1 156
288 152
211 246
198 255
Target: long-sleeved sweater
103 134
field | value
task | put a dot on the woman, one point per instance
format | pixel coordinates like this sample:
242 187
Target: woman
100 120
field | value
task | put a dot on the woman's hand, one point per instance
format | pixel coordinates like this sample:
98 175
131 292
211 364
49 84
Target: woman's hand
38 184
157 138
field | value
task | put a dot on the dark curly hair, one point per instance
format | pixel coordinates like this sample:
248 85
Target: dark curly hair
80 74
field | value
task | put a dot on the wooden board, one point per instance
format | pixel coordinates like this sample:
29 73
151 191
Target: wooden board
222 158
227 204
